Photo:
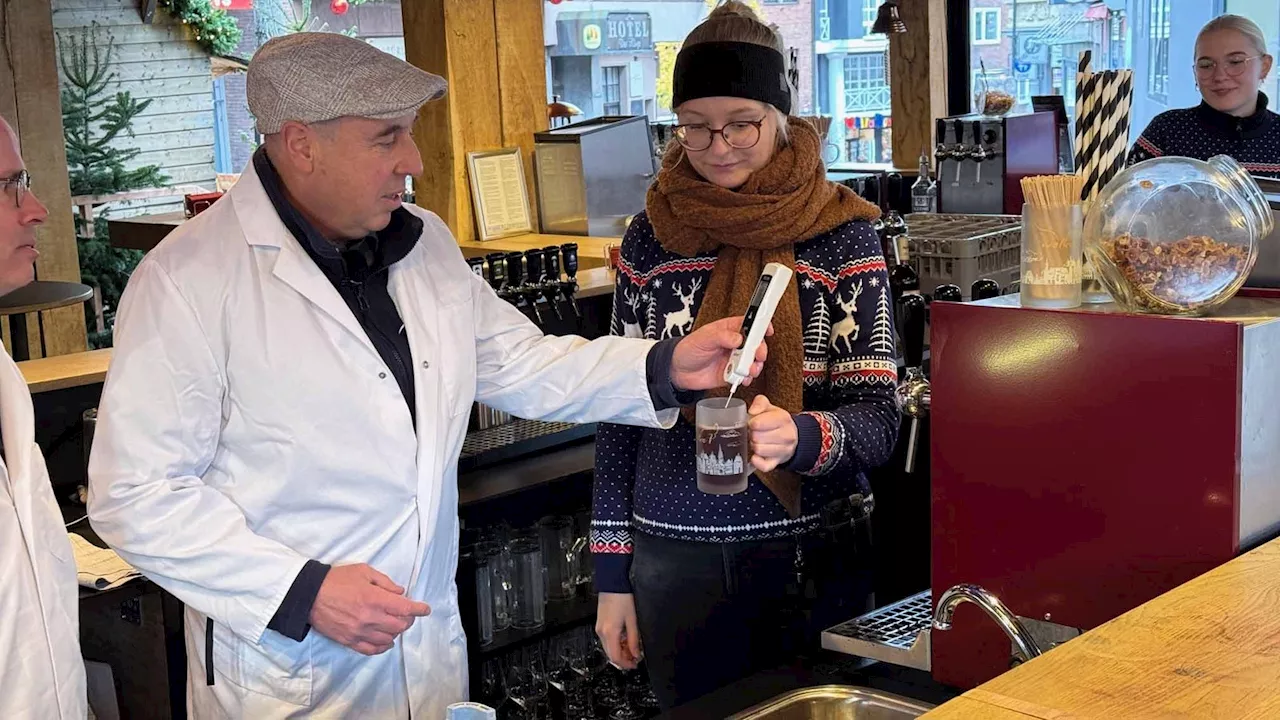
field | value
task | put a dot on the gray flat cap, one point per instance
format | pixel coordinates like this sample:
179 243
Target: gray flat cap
316 76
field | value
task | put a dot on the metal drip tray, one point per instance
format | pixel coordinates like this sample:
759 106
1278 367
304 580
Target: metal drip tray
517 438
897 633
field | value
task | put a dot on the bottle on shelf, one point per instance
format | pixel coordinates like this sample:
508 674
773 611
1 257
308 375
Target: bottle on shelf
924 193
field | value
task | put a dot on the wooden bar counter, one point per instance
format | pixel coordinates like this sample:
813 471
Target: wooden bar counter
88 368
1207 649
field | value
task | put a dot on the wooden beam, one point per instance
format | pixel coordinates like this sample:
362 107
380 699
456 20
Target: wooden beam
455 39
522 82
28 65
491 53
918 79
148 10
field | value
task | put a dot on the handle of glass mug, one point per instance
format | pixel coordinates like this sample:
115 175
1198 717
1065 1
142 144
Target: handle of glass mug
574 558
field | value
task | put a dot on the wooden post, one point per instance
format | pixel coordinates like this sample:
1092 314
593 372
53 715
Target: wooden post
522 82
918 79
29 100
490 52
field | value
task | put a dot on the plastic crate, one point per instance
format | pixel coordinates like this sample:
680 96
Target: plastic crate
959 249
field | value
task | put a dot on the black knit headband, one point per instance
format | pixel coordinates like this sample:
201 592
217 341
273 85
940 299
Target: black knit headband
731 69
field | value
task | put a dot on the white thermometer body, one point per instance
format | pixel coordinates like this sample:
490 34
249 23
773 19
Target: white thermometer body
773 282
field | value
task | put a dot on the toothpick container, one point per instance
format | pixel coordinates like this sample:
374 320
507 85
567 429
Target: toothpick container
1051 255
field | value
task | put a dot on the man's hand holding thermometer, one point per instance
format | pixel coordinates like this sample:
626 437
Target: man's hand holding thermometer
699 360
773 282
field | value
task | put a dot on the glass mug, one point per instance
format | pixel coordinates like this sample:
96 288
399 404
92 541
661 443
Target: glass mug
500 590
557 538
723 455
529 601
484 596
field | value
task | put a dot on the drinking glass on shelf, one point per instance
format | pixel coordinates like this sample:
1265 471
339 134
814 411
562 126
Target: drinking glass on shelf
493 684
556 534
494 545
529 606
560 670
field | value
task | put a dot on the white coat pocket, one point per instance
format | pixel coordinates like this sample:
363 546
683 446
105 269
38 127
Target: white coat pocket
277 667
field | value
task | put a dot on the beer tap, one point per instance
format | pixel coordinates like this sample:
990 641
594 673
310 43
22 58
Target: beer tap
946 292
895 230
540 279
569 286
497 272
984 289
979 153
943 152
961 152
477 266
517 292
553 286
903 278
912 394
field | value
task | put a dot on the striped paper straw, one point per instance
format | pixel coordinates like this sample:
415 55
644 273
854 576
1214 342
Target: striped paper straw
1082 89
1113 130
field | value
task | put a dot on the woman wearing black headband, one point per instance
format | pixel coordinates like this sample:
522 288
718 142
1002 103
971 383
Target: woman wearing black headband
708 588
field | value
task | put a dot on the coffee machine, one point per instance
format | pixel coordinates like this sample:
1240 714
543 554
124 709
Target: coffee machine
981 160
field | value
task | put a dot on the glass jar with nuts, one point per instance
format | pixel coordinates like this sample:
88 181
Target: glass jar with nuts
1175 235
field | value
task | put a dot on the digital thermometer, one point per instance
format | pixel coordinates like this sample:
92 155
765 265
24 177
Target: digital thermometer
773 282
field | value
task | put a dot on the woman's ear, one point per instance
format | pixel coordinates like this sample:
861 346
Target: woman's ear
1266 66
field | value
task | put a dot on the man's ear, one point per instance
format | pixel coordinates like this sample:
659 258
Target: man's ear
299 143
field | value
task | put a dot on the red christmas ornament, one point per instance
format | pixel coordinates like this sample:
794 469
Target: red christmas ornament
339 7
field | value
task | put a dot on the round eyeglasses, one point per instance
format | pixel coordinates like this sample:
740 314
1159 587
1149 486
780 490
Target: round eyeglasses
1235 65
740 135
21 183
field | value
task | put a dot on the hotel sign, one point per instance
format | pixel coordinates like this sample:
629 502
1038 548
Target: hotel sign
598 33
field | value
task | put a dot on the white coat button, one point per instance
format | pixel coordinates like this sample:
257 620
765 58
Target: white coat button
382 376
426 365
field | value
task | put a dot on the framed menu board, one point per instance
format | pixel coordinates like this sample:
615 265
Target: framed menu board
499 193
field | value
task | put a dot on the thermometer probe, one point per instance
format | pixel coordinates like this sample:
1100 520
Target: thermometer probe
773 282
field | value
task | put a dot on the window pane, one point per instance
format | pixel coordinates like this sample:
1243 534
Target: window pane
1037 45
1267 14
618 57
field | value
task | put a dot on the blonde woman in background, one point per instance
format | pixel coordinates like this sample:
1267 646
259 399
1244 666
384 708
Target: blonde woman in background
1232 118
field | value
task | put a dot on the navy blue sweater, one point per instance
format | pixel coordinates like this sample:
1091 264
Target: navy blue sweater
646 479
1201 132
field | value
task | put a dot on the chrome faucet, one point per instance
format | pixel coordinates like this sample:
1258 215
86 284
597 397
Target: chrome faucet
1025 646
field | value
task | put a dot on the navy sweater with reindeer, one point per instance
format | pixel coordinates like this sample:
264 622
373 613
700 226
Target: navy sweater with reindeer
645 479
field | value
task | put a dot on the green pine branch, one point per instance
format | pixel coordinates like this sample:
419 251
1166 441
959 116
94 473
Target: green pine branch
215 30
96 116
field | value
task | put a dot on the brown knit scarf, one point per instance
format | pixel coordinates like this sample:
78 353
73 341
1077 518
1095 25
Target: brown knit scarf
788 201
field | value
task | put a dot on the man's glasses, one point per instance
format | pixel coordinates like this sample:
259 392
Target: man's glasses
20 184
741 135
1235 66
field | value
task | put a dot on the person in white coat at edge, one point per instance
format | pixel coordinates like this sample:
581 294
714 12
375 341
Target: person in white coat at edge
41 671
292 375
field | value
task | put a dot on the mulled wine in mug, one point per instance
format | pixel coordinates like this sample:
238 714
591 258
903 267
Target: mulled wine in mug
723 447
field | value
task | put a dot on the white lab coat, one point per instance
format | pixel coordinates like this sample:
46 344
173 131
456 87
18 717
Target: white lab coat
41 671
247 424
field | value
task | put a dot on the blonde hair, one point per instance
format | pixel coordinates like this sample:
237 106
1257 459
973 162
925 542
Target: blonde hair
1240 24
734 21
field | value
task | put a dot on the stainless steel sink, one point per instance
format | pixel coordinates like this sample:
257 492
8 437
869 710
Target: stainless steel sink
836 702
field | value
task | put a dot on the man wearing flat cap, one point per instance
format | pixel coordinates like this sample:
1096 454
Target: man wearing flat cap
291 381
